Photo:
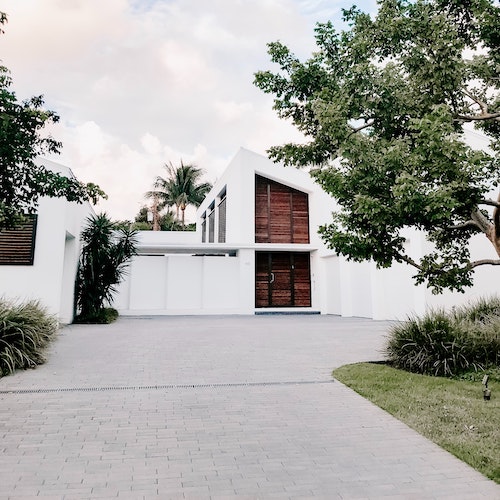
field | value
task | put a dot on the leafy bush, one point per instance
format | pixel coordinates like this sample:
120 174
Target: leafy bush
103 316
25 330
448 344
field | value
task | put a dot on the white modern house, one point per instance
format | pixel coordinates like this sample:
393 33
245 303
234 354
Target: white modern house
256 250
39 261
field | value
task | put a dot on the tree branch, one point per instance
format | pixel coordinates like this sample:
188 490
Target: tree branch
361 127
465 225
484 116
479 102
484 262
492 203
408 260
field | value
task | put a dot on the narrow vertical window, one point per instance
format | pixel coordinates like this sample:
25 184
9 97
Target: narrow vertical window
204 228
211 223
221 209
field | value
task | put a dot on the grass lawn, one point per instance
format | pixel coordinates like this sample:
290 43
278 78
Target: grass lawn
450 412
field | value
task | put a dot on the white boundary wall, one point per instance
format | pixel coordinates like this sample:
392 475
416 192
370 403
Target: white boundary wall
360 289
188 284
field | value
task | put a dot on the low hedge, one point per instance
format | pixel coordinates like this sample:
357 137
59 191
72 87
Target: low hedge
448 343
25 330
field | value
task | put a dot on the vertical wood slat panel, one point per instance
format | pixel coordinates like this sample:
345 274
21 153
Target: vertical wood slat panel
281 213
300 213
281 291
302 279
17 246
261 210
261 279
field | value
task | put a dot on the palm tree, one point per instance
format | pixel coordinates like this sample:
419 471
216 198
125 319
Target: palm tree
180 188
106 252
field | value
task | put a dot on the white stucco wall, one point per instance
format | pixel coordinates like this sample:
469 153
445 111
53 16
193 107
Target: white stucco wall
177 284
51 278
185 284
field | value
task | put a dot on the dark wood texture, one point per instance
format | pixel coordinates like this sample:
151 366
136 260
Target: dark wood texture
282 279
262 278
17 246
281 213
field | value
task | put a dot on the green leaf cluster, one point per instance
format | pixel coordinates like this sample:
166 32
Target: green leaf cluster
383 106
22 180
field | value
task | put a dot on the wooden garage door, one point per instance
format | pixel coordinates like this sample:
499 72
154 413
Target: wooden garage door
282 279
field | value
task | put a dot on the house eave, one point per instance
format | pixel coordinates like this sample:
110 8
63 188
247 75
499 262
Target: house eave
220 248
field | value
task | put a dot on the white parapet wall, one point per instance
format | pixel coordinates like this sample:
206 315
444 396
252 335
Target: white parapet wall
180 280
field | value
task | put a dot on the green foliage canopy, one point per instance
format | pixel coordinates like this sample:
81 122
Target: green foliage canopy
383 105
22 181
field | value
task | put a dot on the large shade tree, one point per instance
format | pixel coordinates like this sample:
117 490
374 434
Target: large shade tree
22 180
181 187
383 106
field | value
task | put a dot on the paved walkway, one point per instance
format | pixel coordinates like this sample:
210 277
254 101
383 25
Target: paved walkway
214 407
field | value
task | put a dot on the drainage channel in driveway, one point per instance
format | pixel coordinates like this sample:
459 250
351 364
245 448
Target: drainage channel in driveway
162 387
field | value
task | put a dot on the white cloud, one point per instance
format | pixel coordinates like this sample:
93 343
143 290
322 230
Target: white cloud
138 83
151 144
230 111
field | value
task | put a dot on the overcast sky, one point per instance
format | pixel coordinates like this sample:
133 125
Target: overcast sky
138 83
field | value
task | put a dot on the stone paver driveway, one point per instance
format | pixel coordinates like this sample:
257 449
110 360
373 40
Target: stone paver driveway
214 407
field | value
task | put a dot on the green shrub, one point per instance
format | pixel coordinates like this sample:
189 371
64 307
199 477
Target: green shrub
25 330
103 316
481 311
447 344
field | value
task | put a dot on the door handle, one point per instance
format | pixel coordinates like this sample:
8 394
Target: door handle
272 278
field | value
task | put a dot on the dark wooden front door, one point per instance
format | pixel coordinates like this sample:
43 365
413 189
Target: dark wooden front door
282 279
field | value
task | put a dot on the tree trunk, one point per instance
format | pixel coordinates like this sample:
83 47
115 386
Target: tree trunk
491 230
156 223
494 235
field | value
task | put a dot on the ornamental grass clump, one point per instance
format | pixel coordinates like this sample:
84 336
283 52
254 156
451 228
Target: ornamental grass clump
25 330
448 344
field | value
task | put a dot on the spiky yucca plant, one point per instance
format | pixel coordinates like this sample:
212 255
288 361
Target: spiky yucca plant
25 330
106 252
